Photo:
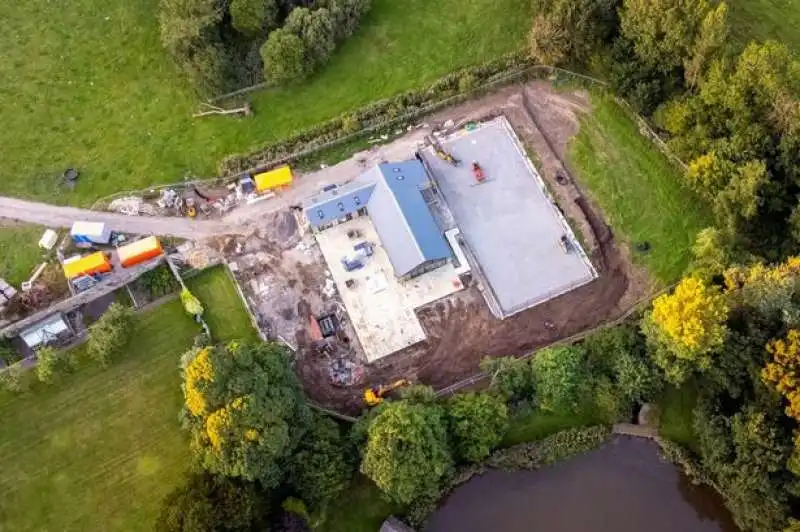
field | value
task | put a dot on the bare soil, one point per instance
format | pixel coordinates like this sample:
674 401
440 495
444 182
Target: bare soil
461 330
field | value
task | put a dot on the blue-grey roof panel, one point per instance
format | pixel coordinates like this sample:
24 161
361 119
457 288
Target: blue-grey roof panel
406 180
393 230
392 193
336 203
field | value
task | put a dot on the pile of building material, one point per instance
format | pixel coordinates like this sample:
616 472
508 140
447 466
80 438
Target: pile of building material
132 206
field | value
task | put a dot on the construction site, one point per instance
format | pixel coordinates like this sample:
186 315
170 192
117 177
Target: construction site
406 263
414 268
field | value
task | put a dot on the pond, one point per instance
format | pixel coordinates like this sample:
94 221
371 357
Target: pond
624 486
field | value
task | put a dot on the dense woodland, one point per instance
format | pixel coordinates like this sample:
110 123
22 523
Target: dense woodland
223 45
729 331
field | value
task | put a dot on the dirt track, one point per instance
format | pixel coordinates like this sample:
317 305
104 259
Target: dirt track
55 216
461 330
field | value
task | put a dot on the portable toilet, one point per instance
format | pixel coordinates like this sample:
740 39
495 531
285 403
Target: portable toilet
89 265
279 177
139 251
90 233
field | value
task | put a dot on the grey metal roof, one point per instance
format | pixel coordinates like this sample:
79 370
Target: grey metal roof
392 193
406 181
338 202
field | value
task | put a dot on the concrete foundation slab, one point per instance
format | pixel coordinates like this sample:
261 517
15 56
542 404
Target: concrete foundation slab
381 307
510 225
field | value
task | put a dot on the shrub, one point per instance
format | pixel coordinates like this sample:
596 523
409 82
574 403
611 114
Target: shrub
254 17
350 123
109 334
11 379
552 449
191 304
207 503
158 282
511 377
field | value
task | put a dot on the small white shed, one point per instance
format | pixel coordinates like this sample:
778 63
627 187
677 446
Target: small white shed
90 233
48 240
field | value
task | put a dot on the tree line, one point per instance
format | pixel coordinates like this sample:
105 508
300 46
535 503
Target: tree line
731 328
222 45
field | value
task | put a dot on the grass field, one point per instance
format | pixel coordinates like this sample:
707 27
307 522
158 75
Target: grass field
93 89
99 449
637 188
766 19
226 315
19 252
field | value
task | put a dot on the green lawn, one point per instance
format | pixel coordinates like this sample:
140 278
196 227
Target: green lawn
100 448
637 188
536 424
766 19
359 509
93 89
19 252
226 315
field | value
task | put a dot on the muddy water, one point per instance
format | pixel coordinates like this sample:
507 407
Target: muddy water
622 487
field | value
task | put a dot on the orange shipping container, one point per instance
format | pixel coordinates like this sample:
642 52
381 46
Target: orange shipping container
139 251
88 265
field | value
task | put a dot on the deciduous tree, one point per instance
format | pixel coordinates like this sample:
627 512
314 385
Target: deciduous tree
407 453
284 56
562 377
663 32
686 327
320 467
244 409
569 30
211 503
477 423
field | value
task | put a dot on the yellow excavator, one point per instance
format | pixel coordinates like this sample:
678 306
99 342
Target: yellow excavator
375 395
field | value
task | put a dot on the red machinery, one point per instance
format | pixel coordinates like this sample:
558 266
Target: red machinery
477 172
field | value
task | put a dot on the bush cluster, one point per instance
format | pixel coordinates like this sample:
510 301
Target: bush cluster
221 45
550 450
